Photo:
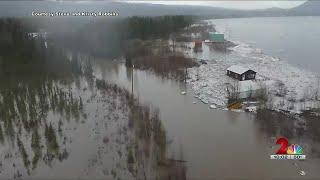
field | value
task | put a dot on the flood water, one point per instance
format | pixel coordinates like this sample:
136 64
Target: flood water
72 129
293 39
215 143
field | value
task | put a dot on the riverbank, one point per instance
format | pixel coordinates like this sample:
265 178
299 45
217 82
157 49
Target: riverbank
189 124
288 88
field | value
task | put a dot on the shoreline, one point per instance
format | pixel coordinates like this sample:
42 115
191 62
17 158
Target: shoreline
294 80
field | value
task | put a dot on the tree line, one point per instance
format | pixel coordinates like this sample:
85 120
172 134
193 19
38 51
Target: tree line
107 38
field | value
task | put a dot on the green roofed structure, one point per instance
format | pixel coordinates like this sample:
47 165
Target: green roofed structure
216 37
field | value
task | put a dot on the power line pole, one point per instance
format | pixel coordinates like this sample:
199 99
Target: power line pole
132 79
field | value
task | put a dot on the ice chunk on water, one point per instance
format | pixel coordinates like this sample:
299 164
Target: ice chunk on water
302 173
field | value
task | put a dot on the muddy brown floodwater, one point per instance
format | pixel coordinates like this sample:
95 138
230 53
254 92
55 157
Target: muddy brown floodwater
215 143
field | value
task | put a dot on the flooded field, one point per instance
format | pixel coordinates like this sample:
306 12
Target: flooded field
80 127
215 141
92 126
67 115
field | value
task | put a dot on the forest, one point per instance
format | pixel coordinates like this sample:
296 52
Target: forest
23 57
38 100
107 38
21 54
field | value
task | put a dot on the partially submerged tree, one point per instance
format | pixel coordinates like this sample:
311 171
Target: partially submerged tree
233 92
262 95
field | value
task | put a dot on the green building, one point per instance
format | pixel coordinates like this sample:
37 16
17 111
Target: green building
216 37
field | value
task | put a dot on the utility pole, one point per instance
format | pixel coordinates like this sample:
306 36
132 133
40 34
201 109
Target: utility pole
225 47
132 79
173 39
186 74
185 79
318 88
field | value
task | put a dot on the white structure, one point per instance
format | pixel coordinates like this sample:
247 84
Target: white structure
238 69
38 34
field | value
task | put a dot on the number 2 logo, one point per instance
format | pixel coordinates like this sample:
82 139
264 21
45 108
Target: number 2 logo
284 144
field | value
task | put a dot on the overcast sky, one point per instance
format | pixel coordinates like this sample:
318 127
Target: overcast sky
235 4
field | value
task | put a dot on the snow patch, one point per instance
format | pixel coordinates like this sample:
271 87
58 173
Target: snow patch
209 81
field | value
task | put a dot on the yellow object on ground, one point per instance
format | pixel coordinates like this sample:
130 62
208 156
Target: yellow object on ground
235 105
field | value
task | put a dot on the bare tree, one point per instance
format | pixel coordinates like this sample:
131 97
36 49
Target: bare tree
317 89
317 94
291 100
262 95
281 89
233 92
250 93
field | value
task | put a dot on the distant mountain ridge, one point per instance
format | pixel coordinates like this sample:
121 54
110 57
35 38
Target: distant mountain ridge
25 8
311 7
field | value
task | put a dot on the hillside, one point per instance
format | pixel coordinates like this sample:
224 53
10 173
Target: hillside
24 9
309 8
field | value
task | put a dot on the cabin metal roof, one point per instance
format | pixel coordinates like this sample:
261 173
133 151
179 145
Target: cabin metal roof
238 69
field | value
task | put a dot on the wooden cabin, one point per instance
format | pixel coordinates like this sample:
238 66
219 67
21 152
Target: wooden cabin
197 44
241 73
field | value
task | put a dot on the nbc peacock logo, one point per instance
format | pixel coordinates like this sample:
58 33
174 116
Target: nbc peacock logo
288 151
294 149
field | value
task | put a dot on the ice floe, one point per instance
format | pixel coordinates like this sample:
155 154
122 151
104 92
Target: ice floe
209 81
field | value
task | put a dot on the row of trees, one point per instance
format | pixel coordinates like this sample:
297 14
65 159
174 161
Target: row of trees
30 88
107 38
16 47
156 27
23 56
33 61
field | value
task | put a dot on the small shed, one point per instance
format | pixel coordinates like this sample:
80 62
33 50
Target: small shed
197 44
241 73
216 37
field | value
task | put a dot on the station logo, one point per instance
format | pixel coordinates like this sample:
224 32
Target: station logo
288 151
